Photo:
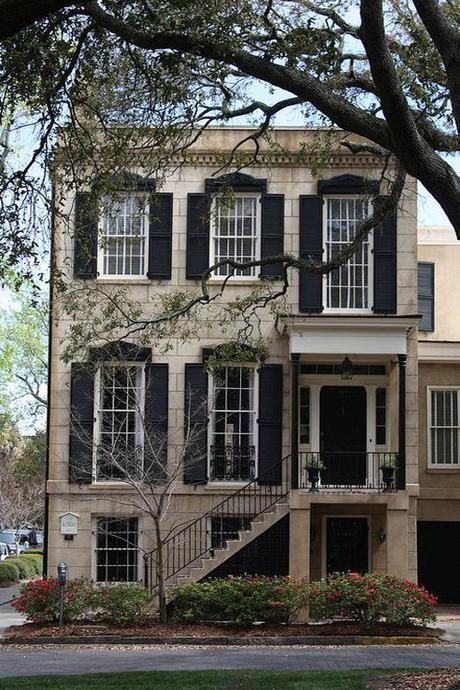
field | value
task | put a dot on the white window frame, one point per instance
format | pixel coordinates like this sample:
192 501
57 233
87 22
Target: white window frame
370 265
94 550
453 467
258 236
255 412
102 238
98 414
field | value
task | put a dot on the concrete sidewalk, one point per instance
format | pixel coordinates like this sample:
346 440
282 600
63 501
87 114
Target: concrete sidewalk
8 615
448 619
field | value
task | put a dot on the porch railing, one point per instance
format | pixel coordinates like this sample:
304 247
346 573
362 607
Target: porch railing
232 463
348 470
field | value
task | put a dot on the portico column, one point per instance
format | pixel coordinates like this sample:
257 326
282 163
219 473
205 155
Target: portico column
402 360
295 369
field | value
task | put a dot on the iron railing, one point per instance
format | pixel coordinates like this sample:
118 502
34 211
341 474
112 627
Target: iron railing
232 463
348 471
194 541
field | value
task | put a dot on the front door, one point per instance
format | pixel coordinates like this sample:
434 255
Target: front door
343 435
347 545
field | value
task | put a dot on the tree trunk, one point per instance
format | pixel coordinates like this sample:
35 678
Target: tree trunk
162 604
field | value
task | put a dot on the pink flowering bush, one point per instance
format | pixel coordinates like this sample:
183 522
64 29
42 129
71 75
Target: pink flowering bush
39 600
370 598
239 599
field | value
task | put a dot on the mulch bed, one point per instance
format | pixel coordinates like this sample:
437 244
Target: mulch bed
441 679
154 629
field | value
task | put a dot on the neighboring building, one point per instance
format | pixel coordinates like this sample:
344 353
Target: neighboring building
438 506
340 383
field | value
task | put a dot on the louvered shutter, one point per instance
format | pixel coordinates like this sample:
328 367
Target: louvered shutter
270 423
198 219
85 236
160 236
385 264
196 421
272 233
81 423
426 296
311 247
156 421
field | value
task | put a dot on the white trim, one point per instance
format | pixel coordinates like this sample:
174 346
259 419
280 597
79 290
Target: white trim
117 277
430 351
454 467
324 539
258 238
370 259
354 341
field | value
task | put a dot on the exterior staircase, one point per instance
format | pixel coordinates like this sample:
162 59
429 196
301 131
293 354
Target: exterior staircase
188 555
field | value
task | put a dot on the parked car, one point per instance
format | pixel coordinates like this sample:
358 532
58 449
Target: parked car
7 537
5 551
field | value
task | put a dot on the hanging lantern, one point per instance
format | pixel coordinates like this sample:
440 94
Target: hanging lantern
346 369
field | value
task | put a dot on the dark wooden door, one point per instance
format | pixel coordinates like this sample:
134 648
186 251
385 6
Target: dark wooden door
347 545
438 546
343 435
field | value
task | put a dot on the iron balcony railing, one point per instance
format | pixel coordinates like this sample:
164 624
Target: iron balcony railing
193 542
348 471
232 463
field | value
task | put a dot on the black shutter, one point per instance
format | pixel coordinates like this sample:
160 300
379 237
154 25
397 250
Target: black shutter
81 423
160 236
426 295
270 423
196 420
85 236
272 235
156 421
311 247
385 266
198 219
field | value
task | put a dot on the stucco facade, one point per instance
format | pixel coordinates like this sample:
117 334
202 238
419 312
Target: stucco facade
381 346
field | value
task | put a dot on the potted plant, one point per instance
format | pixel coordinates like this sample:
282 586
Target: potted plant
314 465
388 467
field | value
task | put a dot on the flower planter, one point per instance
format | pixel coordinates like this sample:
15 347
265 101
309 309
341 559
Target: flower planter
313 478
388 477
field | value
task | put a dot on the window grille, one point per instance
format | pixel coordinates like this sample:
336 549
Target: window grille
304 412
117 549
235 233
381 416
348 286
233 412
123 235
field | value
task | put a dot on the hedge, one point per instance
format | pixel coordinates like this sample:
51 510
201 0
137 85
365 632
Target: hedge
9 572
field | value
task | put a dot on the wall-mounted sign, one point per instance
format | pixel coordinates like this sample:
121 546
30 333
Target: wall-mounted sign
69 523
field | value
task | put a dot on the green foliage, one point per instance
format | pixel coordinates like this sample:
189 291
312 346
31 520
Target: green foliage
369 599
237 353
39 600
123 604
25 566
35 561
240 600
9 572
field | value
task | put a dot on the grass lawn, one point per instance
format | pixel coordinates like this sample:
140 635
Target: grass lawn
199 680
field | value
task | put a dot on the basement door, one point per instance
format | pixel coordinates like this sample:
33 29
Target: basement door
347 545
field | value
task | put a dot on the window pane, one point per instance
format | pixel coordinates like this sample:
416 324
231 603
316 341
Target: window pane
117 550
235 219
123 235
444 427
347 287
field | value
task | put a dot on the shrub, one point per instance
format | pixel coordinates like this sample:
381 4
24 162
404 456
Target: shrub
8 572
35 561
121 603
37 551
241 600
370 599
39 600
26 569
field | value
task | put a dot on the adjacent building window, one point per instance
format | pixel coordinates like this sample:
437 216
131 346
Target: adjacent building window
236 233
123 236
119 429
348 287
233 414
381 416
444 426
304 416
117 549
426 295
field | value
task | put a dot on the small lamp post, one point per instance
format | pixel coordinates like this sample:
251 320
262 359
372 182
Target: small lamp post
62 579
